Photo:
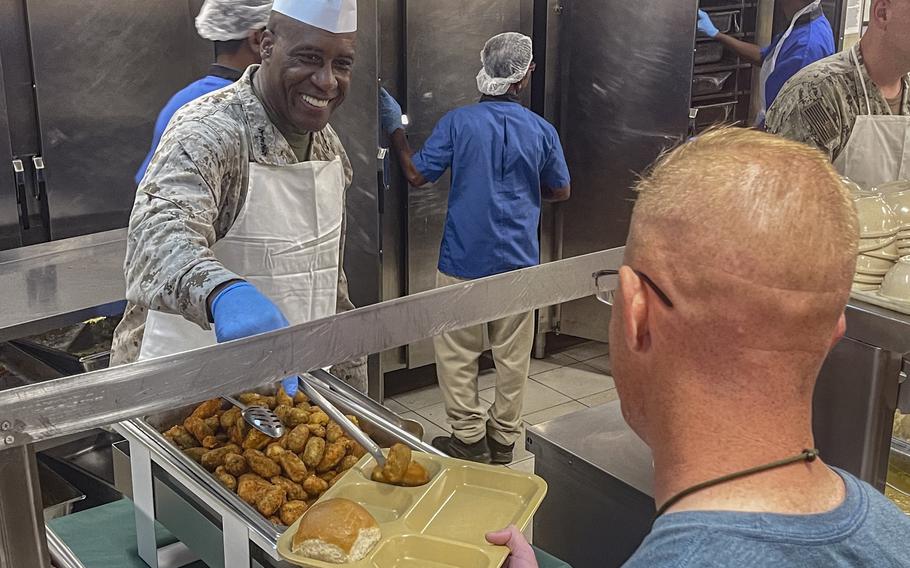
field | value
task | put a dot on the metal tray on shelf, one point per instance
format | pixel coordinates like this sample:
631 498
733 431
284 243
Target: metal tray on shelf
726 21
184 489
707 52
710 83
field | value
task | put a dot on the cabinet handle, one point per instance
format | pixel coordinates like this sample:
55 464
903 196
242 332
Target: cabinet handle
21 198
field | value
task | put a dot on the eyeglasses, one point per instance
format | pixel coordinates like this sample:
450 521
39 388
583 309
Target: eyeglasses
605 281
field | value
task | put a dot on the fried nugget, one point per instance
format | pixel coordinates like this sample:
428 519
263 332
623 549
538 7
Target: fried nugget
256 440
333 431
415 476
396 464
292 510
237 433
293 467
251 488
294 490
271 500
198 428
348 462
260 464
195 454
319 417
282 398
312 453
207 409
180 437
331 457
274 450
212 442
230 416
297 438
213 458
226 478
236 465
213 422
315 486
301 398
317 430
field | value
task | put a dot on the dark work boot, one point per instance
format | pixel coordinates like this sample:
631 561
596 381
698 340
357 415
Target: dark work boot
500 454
452 446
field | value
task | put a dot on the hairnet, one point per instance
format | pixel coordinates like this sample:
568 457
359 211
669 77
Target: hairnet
506 59
225 20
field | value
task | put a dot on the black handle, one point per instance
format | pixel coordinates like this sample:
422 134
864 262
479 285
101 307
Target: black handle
21 189
40 188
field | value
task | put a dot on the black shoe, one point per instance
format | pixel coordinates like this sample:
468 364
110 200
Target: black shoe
450 445
500 454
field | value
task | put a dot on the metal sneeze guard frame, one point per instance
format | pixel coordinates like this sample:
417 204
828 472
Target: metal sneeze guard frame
100 398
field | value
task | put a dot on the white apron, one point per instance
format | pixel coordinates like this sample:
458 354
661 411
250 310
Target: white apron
770 63
877 151
284 242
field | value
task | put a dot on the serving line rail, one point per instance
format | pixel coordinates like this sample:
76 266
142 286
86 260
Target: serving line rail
73 404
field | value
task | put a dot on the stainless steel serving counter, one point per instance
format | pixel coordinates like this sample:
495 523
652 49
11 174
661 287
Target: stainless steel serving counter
60 283
600 480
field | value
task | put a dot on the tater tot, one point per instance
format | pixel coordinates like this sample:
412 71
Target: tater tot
291 511
294 490
312 453
270 501
226 478
260 464
256 440
315 486
293 467
297 438
207 409
198 428
331 457
236 465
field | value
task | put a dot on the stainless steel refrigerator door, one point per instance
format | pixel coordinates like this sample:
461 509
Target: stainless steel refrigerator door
626 76
103 70
9 209
444 40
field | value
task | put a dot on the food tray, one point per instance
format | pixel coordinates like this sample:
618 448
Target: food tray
877 299
440 524
708 52
725 22
709 83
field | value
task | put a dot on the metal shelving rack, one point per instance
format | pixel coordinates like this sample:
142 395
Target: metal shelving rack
731 103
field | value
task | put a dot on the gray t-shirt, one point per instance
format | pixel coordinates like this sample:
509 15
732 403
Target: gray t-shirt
865 530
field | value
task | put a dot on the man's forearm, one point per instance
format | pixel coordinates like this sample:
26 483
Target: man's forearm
744 49
402 149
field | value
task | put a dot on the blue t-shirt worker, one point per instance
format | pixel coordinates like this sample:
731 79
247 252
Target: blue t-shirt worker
505 160
234 27
807 39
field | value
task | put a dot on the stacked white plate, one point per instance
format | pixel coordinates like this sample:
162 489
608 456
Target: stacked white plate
878 245
900 205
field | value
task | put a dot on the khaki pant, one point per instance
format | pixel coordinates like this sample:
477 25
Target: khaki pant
457 362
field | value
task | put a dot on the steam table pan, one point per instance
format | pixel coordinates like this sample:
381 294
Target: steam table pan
440 524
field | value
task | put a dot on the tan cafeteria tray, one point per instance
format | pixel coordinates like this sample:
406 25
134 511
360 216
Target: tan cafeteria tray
877 299
440 524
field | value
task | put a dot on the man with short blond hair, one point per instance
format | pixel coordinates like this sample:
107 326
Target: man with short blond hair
720 324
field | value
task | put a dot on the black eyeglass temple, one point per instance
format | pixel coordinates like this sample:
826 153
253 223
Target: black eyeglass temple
660 293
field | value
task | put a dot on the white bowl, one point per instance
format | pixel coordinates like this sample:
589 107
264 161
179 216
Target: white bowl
899 202
874 243
893 187
888 252
896 284
865 287
868 264
876 219
867 279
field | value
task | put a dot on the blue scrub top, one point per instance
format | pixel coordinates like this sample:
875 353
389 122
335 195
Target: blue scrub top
501 154
812 39
189 93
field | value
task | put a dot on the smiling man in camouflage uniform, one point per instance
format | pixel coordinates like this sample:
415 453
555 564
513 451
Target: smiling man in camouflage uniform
855 105
238 226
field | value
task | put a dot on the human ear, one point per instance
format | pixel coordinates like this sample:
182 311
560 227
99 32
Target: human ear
634 300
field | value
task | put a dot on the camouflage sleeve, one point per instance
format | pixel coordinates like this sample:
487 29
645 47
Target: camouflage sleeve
810 113
169 264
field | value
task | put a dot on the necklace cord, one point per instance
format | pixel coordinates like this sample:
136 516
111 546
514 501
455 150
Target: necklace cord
807 456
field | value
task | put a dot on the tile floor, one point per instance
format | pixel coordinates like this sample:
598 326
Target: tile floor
564 382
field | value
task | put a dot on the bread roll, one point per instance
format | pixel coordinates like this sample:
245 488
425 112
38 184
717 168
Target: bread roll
336 531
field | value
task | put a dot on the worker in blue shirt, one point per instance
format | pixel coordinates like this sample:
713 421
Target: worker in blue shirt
234 26
807 39
504 160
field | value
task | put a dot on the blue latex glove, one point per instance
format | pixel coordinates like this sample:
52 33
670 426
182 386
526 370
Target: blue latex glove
389 112
240 310
705 25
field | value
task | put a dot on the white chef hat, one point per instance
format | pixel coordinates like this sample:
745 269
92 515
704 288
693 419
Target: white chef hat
225 20
336 16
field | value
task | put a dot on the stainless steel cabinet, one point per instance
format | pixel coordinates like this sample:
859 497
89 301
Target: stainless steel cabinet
85 82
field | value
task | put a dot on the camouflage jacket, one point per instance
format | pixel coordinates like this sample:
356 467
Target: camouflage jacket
193 190
819 105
